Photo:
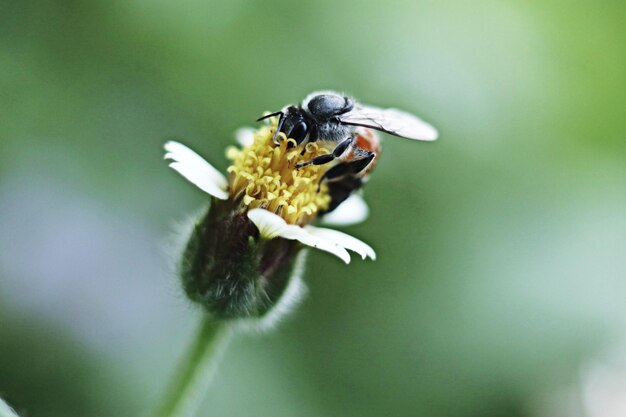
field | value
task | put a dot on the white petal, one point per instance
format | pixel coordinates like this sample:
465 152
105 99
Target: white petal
244 136
352 211
181 153
271 225
6 410
196 170
343 240
318 242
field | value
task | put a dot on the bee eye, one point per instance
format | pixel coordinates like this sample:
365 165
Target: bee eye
298 132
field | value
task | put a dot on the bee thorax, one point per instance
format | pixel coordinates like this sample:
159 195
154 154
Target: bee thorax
334 132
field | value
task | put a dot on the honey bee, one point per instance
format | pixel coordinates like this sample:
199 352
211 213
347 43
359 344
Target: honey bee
347 128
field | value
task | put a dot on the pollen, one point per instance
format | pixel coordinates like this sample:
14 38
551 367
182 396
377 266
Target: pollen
264 175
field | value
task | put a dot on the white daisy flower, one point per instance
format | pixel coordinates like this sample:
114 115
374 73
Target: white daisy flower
239 261
271 225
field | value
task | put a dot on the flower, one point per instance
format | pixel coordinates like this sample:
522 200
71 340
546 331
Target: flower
279 198
239 257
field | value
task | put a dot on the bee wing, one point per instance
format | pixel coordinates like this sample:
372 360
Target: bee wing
392 121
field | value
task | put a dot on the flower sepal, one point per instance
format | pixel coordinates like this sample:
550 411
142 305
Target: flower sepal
228 269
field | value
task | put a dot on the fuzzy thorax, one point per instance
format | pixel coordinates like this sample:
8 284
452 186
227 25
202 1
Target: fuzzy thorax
263 175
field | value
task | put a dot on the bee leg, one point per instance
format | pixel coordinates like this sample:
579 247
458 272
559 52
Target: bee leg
324 159
318 160
353 167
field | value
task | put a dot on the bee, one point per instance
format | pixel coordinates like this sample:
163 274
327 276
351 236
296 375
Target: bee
347 128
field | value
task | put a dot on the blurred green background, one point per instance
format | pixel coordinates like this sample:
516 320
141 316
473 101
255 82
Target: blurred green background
500 268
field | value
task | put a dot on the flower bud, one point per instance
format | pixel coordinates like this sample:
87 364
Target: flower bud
229 270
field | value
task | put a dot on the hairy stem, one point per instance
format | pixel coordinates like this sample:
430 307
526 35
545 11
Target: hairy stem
196 370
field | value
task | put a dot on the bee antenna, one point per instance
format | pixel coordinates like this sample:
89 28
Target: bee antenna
281 120
267 116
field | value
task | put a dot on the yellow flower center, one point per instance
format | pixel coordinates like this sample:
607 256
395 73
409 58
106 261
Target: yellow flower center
264 175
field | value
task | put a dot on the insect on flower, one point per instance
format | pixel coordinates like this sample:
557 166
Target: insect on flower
302 165
341 124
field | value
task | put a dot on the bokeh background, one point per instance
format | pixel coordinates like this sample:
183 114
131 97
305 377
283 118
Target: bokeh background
500 284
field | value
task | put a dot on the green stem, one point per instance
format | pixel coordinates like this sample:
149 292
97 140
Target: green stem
197 369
